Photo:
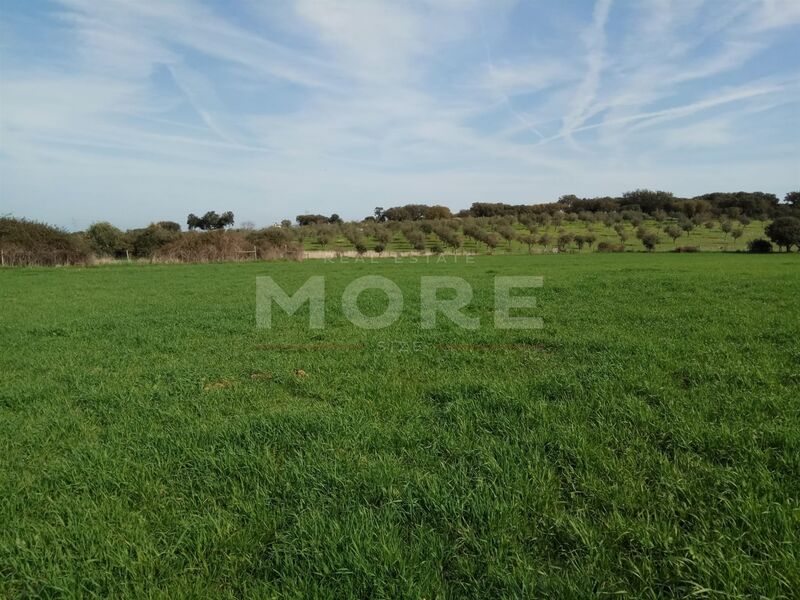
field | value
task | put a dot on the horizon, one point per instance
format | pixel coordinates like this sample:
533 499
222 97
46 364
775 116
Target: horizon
132 113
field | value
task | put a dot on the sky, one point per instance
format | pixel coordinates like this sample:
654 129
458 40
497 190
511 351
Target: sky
135 111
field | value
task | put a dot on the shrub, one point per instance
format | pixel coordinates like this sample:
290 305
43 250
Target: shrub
28 243
610 247
271 237
105 239
205 247
144 242
687 249
760 246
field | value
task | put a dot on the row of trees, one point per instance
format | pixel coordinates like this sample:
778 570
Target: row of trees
755 205
490 233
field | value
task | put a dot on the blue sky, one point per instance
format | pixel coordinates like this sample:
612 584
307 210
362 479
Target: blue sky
142 110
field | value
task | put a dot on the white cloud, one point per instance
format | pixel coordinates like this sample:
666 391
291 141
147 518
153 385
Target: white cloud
776 13
595 41
308 103
700 135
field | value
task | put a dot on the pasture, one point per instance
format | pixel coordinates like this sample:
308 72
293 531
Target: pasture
644 443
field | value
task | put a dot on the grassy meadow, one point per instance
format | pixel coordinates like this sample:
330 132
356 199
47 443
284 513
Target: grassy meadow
644 443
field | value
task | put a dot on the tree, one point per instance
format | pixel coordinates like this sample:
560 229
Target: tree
529 240
415 237
784 232
311 219
105 239
448 235
582 240
508 233
286 224
225 220
324 237
648 201
793 198
379 216
736 234
726 227
492 241
193 221
564 240
674 232
334 218
210 220
545 241
384 235
650 240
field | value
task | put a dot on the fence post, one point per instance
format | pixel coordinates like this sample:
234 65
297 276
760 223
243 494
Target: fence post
2 258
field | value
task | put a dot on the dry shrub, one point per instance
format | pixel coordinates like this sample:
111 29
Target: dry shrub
218 246
26 243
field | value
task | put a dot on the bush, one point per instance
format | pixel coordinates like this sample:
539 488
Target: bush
610 247
760 246
271 237
205 247
687 249
221 245
28 243
145 242
106 240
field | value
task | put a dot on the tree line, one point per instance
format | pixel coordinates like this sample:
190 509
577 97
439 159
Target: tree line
755 205
650 216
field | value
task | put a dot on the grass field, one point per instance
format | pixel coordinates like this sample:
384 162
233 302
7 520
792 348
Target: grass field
645 442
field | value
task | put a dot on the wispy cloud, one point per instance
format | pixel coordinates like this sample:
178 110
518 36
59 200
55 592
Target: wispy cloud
595 40
266 108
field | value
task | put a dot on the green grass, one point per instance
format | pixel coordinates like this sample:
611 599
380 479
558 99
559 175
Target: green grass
645 443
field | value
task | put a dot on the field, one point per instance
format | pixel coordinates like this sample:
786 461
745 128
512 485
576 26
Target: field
644 443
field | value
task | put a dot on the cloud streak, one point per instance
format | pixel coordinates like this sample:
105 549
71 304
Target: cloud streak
328 106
